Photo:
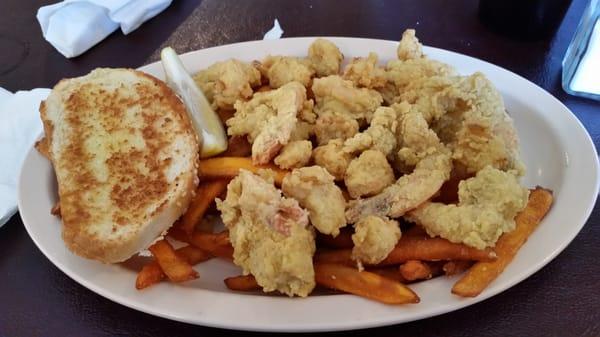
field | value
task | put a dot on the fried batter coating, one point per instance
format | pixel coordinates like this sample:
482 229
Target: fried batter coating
368 174
332 157
268 119
380 135
281 70
409 47
487 206
225 82
315 190
336 95
364 72
374 238
269 234
334 126
294 154
325 57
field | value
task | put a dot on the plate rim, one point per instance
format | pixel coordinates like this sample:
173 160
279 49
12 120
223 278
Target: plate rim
461 303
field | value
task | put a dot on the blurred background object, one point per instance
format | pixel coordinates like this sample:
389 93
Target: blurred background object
523 19
581 64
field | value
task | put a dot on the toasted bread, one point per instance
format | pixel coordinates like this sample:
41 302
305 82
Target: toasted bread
125 157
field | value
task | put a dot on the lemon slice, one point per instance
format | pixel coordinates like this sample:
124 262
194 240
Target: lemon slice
205 120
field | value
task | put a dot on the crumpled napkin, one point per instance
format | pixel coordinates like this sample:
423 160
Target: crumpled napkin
74 26
20 125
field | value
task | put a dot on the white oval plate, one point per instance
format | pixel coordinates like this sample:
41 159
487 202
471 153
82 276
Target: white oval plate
557 150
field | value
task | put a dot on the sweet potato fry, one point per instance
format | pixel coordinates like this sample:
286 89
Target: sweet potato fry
242 283
415 231
151 273
217 244
205 196
414 248
176 268
413 270
238 146
343 240
482 274
365 284
391 273
228 167
456 267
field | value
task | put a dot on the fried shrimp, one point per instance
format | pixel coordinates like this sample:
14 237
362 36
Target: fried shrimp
488 204
432 167
268 120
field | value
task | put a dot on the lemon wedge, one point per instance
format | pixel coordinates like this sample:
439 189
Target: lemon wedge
205 120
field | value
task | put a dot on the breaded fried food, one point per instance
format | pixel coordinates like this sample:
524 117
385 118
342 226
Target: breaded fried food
334 126
374 238
487 206
336 95
270 235
365 72
281 70
125 157
268 119
294 154
332 157
314 188
223 83
380 135
368 174
325 57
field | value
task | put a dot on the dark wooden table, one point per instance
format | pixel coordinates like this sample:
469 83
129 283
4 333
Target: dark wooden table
36 299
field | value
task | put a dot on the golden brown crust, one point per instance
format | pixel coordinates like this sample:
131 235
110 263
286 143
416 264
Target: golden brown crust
119 131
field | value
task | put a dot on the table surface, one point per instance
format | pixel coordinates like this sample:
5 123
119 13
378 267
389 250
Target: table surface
36 299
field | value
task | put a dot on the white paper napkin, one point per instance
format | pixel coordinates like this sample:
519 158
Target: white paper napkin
74 26
20 124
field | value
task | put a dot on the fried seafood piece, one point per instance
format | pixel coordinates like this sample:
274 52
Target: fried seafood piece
332 157
415 139
270 235
368 174
380 135
294 154
365 72
325 57
315 190
281 70
408 192
268 119
409 46
486 135
225 82
374 238
334 126
487 206
336 95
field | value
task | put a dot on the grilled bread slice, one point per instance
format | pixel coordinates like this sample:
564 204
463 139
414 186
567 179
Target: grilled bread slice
125 157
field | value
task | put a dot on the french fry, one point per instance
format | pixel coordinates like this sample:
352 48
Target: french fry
216 244
482 274
365 284
456 267
415 270
151 273
229 167
205 195
238 147
391 273
176 268
342 240
242 283
414 248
